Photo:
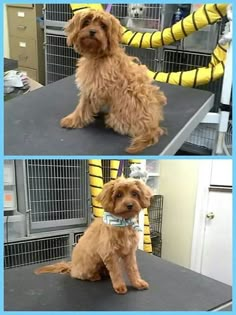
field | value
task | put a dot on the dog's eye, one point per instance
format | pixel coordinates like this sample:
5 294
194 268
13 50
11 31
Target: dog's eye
134 194
118 195
141 9
103 26
133 9
86 22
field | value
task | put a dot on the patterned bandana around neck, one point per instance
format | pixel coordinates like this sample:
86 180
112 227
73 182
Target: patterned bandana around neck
111 219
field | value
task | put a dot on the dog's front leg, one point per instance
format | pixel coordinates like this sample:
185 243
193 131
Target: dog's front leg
112 264
82 115
131 267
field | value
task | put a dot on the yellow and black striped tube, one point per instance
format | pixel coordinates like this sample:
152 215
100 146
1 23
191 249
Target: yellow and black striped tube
205 15
135 161
218 55
147 243
77 7
198 76
96 185
114 167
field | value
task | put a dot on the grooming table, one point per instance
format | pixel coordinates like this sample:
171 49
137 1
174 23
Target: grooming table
32 123
172 288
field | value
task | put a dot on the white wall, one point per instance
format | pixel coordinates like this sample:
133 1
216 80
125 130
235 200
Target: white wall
178 184
5 34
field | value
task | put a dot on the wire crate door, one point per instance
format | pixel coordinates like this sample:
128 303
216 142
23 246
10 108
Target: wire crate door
57 193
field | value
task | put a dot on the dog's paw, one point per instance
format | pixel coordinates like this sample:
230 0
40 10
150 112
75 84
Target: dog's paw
120 289
70 122
162 131
140 284
96 277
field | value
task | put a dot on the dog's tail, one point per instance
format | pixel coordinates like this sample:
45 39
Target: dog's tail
145 140
61 267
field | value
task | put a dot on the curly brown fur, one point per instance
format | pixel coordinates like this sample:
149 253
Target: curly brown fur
106 75
104 247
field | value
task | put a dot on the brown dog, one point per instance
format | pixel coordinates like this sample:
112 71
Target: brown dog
110 241
107 76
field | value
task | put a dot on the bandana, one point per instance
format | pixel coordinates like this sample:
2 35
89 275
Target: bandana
111 219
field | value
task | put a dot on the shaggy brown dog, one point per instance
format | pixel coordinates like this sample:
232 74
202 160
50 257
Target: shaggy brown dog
104 246
107 76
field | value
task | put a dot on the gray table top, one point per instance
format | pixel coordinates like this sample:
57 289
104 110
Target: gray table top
172 288
32 123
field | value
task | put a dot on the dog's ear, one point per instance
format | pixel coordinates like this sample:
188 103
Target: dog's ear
145 194
115 33
72 28
105 196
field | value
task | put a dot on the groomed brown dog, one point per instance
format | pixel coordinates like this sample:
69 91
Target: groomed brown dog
107 76
112 240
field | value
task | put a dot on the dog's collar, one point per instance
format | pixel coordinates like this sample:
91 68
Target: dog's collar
111 219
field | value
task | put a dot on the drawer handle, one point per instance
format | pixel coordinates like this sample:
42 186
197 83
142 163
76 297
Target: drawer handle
21 27
21 57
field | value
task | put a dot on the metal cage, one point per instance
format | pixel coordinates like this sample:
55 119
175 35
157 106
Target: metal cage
58 12
60 59
29 252
183 60
155 213
57 192
52 212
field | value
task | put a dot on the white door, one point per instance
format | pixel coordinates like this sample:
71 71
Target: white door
221 172
217 247
212 235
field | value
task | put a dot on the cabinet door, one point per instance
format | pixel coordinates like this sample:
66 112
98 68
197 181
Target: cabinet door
221 174
24 50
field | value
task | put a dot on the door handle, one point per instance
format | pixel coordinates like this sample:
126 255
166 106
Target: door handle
210 216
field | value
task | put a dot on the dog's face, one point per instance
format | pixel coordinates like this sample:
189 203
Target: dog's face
94 33
125 197
136 10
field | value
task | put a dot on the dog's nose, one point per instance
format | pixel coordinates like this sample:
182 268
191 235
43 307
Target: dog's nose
129 206
92 32
136 15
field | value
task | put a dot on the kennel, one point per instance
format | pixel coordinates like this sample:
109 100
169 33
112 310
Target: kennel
60 59
155 212
202 140
46 209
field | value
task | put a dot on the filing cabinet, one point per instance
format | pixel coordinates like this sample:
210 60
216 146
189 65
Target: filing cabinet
26 39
